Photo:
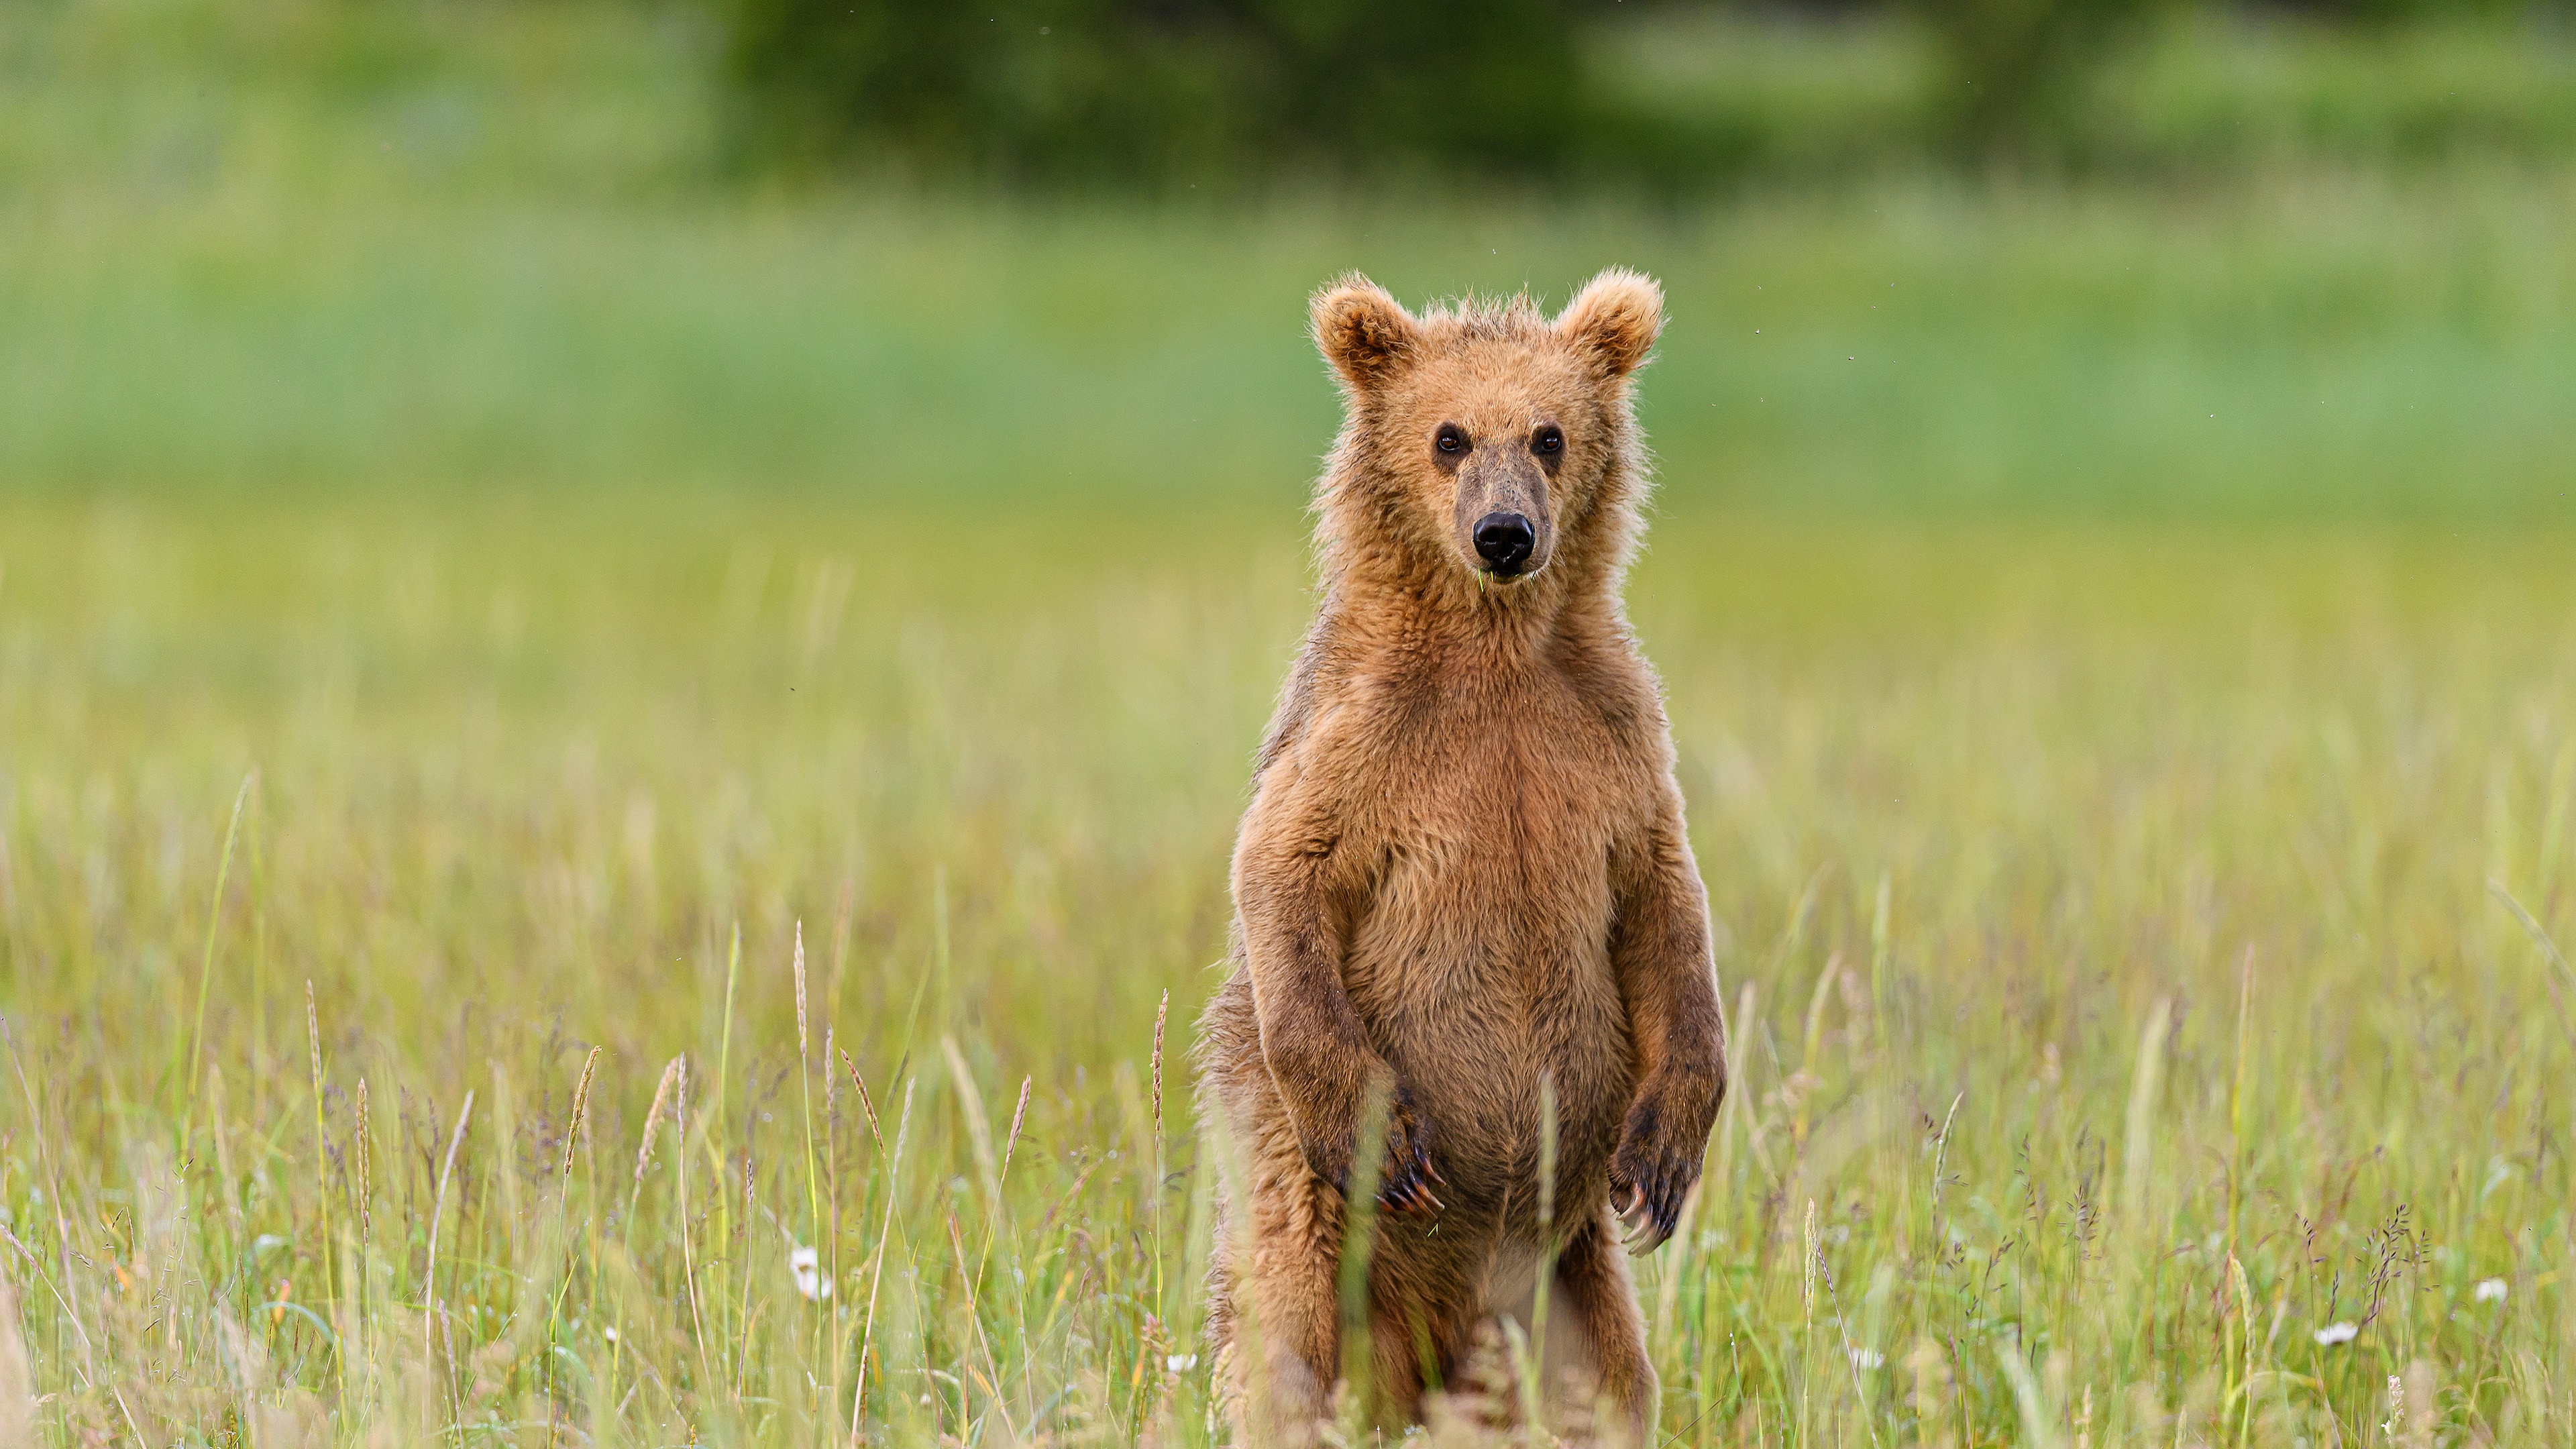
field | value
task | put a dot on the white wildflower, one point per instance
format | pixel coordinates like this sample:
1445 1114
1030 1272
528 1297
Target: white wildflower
2493 1290
1868 1358
806 1264
1181 1363
2335 1333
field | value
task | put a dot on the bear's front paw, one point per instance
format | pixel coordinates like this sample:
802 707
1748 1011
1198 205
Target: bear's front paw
1405 1186
1653 1171
1405 1173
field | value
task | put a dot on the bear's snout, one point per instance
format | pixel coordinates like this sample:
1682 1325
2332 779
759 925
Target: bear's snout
1504 541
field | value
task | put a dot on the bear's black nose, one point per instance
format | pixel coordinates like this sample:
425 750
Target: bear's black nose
1504 541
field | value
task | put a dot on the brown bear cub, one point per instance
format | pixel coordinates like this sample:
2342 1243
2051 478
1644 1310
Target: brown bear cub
1463 882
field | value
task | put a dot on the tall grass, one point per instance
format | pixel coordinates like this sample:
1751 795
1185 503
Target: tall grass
2122 929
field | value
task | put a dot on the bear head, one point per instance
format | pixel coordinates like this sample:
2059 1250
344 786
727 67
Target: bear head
1483 438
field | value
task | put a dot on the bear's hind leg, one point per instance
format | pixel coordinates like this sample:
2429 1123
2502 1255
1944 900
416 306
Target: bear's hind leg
1601 1298
1283 1329
1417 1332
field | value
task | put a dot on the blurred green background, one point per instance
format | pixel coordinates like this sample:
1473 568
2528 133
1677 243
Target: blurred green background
2219 261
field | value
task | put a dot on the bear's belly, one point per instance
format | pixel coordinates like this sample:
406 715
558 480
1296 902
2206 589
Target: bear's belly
1480 971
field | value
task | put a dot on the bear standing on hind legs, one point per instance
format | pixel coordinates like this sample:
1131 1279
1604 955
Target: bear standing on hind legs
1463 881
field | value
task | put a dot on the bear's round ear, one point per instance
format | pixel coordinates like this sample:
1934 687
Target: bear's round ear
1361 331
1615 319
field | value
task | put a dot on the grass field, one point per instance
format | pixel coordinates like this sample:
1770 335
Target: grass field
471 595
2120 999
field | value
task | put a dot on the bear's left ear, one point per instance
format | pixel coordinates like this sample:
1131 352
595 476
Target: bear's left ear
1615 320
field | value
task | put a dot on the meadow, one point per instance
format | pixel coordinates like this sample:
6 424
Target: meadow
614 795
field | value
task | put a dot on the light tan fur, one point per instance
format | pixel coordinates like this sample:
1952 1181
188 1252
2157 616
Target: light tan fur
1463 872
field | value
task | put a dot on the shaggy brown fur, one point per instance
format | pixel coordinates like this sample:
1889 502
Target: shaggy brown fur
1463 873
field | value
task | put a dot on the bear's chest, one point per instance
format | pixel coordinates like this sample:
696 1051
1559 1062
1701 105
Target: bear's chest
1522 780
1486 831
1478 954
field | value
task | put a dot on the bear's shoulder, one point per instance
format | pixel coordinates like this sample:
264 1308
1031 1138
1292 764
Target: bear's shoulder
1616 685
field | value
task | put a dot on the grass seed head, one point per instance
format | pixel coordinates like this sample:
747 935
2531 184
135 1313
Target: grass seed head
653 1115
580 1118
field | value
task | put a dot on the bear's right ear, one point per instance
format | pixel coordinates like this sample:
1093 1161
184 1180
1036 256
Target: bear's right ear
1362 332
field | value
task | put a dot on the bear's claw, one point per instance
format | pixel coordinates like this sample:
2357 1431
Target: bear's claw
1652 1174
1640 1230
1406 1187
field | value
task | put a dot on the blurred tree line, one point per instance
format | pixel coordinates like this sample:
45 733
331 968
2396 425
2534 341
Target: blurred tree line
1219 93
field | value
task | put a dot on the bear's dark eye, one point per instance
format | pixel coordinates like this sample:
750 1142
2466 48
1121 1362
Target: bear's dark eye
1449 439
1549 440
